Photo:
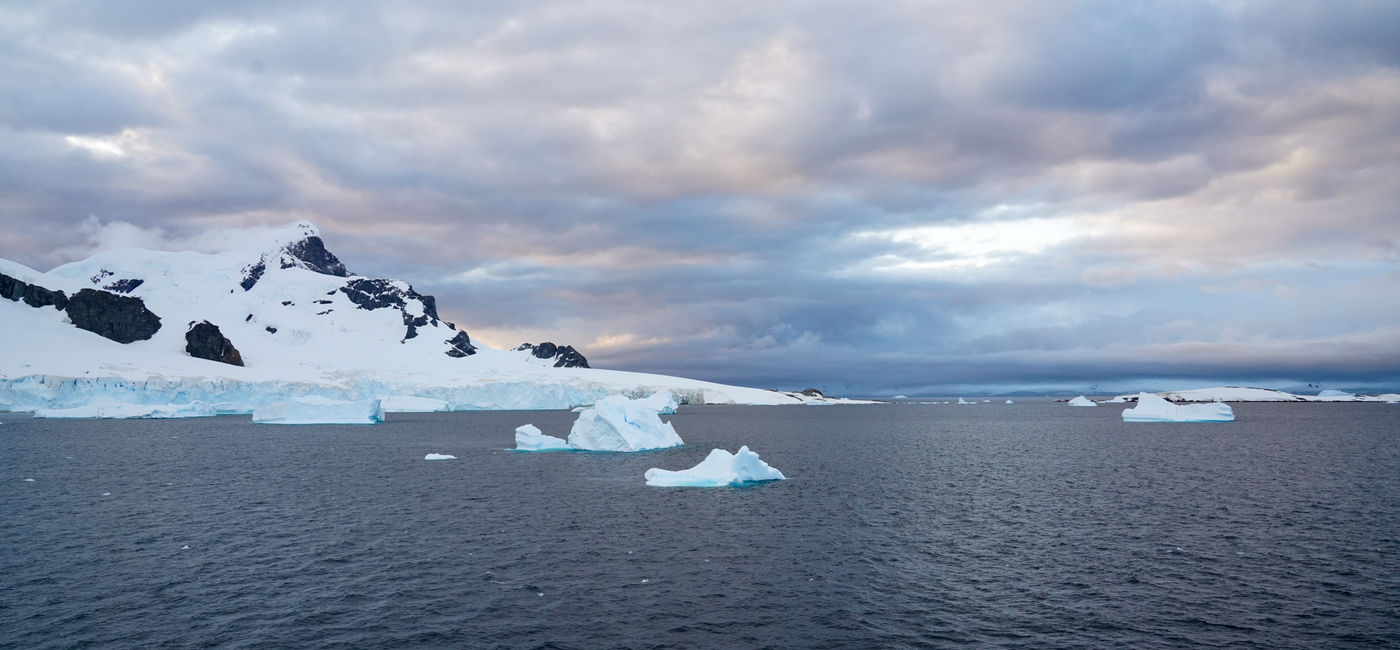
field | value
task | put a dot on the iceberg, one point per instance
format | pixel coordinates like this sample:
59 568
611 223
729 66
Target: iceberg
411 404
664 401
129 411
1153 408
616 423
439 457
529 438
1010 402
319 410
963 401
719 469
1082 401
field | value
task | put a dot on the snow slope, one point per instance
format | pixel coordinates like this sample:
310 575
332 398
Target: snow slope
300 331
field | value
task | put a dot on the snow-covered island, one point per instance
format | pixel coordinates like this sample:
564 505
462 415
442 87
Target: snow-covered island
140 333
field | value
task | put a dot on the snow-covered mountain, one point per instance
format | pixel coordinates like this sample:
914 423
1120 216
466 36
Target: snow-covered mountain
243 328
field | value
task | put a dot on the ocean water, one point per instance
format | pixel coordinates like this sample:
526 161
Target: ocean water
1032 525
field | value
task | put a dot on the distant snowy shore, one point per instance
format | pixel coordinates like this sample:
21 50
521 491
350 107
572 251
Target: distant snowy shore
1240 394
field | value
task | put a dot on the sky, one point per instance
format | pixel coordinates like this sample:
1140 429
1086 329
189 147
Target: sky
868 198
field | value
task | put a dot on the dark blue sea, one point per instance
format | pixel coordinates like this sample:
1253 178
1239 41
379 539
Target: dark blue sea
1033 525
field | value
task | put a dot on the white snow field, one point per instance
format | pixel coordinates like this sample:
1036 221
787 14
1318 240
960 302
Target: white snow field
529 438
1151 408
663 401
439 457
300 332
616 423
719 469
319 410
1082 401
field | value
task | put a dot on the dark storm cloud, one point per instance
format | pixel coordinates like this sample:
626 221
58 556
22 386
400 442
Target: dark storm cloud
745 192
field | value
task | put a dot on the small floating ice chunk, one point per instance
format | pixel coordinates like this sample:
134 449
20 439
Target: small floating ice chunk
963 401
439 457
616 423
313 409
1082 401
1010 402
185 547
1153 408
529 438
106 494
719 469
29 480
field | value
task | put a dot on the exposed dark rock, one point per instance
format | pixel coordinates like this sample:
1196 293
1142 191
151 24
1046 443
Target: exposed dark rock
121 318
31 294
205 341
565 356
102 274
125 285
250 317
811 392
323 313
270 329
323 302
286 302
251 274
372 293
312 252
461 346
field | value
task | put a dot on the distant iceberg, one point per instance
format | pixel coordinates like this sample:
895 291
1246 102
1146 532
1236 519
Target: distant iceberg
1082 401
412 404
1116 400
319 410
963 401
1152 408
616 423
125 411
719 469
439 457
1010 402
529 438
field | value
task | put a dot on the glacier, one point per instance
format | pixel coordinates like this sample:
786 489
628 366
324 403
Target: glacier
319 410
1152 408
1082 401
528 437
616 423
412 404
110 410
719 469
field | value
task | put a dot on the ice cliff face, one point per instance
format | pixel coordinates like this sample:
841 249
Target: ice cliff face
176 325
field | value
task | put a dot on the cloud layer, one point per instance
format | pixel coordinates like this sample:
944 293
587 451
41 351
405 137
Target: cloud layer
906 196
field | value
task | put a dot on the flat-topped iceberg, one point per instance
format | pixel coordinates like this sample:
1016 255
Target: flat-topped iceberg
319 410
719 469
529 438
616 423
1082 401
1152 408
439 457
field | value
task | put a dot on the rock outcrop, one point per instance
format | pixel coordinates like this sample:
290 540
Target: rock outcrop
205 341
460 346
121 318
565 356
371 294
31 294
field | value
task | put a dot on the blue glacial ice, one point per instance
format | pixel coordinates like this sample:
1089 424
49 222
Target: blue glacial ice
320 410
